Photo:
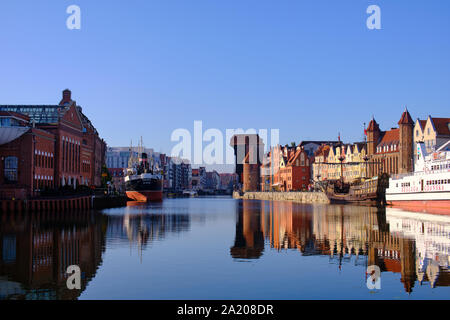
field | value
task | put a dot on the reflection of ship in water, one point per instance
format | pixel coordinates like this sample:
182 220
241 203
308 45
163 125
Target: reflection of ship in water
36 251
348 235
431 235
141 229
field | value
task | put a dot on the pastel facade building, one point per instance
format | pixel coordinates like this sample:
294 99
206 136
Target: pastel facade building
433 132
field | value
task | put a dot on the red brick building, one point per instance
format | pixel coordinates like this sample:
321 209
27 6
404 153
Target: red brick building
391 151
295 170
47 147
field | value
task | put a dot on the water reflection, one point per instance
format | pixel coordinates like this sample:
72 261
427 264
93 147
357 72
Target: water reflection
37 249
417 246
141 225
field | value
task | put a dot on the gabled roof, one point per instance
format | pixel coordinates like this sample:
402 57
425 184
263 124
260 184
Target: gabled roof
295 156
422 123
322 150
442 125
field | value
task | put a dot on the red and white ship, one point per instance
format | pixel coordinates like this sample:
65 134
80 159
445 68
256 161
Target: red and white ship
427 189
143 179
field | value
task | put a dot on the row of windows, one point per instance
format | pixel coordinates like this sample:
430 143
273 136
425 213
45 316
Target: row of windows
71 156
406 184
440 166
42 161
437 182
392 147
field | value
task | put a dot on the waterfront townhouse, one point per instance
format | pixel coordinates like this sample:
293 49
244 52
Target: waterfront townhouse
433 132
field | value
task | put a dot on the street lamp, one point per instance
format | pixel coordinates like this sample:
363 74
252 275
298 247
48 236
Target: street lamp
366 159
341 159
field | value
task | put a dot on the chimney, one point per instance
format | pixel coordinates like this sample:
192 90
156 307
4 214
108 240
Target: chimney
67 97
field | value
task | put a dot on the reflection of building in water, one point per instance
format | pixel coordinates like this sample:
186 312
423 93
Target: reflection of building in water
431 235
36 251
249 241
348 235
142 229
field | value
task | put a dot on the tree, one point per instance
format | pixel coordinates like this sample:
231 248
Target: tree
106 176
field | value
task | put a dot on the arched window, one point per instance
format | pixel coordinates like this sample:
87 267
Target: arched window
11 166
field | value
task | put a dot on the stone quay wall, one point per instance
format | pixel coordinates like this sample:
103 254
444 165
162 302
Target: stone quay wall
300 197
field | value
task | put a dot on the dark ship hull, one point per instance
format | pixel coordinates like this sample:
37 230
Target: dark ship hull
144 189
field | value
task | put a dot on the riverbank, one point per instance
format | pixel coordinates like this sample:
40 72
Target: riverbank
62 204
300 197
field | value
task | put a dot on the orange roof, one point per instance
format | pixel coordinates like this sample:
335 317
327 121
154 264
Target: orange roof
295 157
390 137
323 150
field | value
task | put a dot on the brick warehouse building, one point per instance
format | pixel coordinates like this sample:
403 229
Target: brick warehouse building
391 151
47 147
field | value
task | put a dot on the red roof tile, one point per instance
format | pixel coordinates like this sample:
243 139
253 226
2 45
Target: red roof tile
390 137
442 125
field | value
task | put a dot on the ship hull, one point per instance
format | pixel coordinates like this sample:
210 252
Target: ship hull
432 202
145 196
430 206
144 189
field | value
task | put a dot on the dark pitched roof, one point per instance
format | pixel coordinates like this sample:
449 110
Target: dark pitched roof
442 125
373 125
406 118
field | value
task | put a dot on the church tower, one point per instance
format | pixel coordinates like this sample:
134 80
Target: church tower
406 125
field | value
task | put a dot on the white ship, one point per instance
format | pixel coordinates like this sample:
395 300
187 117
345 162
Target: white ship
428 187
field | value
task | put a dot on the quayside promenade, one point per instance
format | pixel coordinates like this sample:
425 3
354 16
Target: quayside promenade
300 197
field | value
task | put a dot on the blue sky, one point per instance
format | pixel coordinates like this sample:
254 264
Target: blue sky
310 68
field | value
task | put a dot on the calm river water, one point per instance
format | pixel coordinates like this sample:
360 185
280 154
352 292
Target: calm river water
221 248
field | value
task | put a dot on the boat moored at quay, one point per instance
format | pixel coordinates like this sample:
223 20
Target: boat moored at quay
143 180
367 191
428 187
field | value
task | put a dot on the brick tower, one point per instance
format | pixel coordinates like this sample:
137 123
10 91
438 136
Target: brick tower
251 172
373 138
248 150
406 124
